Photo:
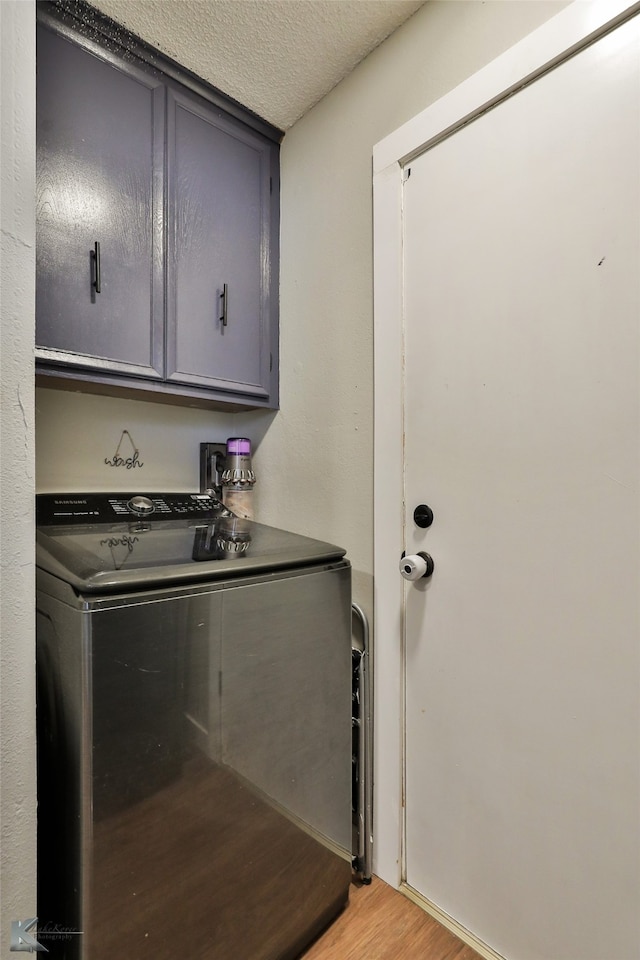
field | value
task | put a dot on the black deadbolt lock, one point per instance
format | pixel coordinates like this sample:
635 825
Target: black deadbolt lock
423 515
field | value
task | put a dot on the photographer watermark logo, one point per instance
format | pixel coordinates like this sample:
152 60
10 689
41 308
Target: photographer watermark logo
21 939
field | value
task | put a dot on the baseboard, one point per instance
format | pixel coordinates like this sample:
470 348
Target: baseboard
465 935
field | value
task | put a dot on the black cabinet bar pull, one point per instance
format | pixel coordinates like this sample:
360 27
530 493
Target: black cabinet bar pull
95 256
224 296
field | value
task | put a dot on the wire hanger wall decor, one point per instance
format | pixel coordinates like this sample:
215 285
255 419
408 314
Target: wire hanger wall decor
130 462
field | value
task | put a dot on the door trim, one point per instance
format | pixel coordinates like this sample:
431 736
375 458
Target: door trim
564 35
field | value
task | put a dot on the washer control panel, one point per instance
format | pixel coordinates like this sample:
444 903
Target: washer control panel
55 508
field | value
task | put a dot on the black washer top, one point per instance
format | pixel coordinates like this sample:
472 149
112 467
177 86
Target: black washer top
61 509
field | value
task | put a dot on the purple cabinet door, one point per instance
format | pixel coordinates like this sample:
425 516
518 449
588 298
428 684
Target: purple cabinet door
221 252
100 143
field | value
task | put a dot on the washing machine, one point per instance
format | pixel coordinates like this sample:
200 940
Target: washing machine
194 730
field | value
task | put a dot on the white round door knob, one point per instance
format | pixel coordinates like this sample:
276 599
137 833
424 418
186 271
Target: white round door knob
415 566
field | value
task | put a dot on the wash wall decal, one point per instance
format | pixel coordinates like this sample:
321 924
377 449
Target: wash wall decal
129 462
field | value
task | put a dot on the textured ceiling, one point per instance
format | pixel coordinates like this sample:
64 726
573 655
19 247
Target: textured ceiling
277 57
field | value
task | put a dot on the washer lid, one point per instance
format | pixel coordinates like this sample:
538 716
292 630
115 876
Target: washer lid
107 556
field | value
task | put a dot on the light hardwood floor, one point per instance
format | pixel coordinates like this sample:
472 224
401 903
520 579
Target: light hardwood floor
381 924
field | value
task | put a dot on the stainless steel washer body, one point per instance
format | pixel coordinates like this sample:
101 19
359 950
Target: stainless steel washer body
194 732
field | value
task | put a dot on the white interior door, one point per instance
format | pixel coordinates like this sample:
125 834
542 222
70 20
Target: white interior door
522 307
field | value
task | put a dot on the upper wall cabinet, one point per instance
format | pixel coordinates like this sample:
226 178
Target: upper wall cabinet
157 223
100 147
219 278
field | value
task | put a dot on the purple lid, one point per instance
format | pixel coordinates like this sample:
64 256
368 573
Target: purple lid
239 445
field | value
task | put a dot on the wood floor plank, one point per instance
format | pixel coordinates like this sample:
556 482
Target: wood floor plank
380 923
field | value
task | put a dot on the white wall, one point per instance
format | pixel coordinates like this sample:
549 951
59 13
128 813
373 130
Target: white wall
17 259
76 433
315 458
